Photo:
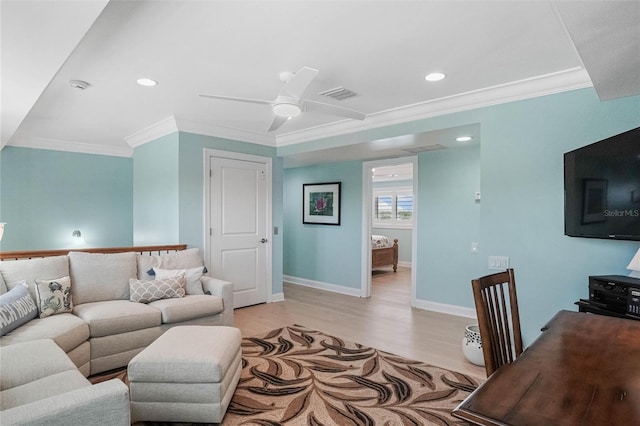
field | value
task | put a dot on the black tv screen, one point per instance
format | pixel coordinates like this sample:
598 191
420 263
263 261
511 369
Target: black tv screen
602 188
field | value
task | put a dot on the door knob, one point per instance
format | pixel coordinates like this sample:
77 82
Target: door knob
264 240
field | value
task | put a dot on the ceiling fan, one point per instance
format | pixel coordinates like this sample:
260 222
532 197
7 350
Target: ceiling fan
289 102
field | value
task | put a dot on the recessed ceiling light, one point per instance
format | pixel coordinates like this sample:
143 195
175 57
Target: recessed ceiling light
463 138
435 76
147 82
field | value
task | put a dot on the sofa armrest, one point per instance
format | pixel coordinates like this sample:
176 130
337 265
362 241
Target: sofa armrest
224 289
105 403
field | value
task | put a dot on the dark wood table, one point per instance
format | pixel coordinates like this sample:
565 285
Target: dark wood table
584 369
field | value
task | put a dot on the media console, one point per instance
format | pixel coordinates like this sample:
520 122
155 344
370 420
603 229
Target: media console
613 295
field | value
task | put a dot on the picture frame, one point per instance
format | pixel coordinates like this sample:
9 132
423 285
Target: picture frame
594 201
321 203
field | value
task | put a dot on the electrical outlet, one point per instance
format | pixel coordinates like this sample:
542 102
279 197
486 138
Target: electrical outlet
474 247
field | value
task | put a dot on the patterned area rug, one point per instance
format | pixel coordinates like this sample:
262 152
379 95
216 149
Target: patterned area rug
297 376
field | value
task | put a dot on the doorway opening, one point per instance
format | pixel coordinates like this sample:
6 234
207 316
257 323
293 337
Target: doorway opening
390 229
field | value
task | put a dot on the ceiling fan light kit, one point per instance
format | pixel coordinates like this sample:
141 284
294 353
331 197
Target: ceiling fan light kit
287 109
289 103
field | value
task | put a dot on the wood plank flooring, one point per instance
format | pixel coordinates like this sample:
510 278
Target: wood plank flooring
384 321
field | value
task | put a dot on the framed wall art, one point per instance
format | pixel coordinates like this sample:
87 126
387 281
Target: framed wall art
321 203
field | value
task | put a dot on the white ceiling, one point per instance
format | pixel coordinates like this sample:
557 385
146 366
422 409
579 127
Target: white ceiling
491 51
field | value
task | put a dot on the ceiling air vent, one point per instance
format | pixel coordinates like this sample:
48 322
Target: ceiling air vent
339 93
419 149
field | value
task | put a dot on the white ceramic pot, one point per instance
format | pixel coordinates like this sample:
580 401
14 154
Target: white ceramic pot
472 345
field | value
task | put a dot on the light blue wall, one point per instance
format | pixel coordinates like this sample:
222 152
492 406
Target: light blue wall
324 253
448 222
155 192
45 195
520 215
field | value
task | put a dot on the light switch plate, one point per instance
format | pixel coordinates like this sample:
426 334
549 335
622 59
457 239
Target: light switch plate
498 262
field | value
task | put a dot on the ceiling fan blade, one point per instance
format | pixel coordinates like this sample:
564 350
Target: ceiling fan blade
278 120
231 98
313 106
299 82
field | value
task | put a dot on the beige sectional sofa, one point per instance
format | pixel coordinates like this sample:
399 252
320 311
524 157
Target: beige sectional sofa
42 387
105 329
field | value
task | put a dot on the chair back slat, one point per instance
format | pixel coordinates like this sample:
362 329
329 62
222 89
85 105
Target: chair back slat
498 319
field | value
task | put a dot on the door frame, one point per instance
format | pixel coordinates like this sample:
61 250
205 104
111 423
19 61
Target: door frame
268 161
367 221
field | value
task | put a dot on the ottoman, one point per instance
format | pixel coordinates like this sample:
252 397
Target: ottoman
189 374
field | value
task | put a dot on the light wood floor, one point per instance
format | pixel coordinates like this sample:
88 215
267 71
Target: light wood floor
385 321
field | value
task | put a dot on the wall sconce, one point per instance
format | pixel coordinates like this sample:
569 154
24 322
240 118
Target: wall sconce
77 236
2 224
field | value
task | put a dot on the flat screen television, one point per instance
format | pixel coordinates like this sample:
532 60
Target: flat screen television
602 188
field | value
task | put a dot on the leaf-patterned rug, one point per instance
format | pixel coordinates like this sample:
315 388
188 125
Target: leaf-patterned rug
297 376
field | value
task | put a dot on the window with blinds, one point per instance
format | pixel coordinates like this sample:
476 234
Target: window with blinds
392 207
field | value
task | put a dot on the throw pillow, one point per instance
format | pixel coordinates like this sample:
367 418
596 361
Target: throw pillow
191 275
54 296
149 291
16 308
182 259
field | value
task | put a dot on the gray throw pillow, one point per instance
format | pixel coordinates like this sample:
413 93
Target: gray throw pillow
16 308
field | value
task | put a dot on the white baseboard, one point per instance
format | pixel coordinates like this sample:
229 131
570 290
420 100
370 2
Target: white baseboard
404 264
444 308
277 297
322 286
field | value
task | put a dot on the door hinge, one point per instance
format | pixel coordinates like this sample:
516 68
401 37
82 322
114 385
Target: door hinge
210 231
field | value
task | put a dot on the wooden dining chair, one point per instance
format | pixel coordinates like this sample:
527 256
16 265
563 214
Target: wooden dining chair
498 319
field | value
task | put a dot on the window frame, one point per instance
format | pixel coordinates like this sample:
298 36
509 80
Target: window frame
393 192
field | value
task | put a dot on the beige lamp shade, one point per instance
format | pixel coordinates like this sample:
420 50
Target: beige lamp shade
634 265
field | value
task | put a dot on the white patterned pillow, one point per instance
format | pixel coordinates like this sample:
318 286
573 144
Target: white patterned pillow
16 308
191 275
149 291
54 296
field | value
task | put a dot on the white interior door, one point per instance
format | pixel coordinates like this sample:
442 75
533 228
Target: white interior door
239 228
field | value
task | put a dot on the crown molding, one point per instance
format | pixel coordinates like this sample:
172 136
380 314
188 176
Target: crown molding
226 132
174 124
163 127
68 146
561 81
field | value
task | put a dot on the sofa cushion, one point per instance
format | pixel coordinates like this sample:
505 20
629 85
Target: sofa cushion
3 286
97 277
117 316
54 296
29 361
66 330
192 277
52 385
182 259
188 308
16 308
148 291
28 270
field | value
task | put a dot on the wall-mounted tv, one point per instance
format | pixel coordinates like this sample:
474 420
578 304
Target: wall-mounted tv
602 188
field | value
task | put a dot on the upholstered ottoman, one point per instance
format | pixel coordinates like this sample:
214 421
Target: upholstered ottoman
189 374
